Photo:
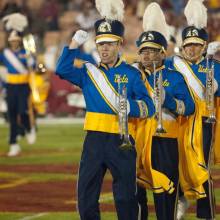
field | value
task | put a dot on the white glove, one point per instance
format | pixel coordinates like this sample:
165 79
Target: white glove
213 47
80 37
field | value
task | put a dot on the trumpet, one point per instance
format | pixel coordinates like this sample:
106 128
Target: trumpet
209 93
30 48
123 117
158 86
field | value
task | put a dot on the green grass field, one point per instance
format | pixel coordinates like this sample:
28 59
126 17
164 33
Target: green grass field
56 144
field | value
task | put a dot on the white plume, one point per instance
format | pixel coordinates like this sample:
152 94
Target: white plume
154 20
15 21
196 13
111 9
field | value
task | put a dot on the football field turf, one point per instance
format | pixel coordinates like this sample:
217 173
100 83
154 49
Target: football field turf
41 183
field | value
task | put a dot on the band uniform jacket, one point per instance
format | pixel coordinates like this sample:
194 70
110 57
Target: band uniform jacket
176 94
194 172
100 89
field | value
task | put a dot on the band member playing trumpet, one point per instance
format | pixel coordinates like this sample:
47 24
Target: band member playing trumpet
156 139
201 73
101 150
17 82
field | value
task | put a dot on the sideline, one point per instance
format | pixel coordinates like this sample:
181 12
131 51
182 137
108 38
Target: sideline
33 216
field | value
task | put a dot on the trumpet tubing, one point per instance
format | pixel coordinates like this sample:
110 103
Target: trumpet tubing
158 86
209 93
123 117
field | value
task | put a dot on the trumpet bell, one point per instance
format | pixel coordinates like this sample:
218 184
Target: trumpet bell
211 119
160 130
126 144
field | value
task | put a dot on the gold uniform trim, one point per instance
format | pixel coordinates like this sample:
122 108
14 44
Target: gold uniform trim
152 45
110 36
193 40
17 78
101 93
106 123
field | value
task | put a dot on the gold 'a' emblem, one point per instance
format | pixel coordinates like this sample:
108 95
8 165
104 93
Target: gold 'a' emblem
105 27
192 33
147 37
150 36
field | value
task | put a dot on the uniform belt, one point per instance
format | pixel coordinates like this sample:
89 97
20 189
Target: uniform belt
106 123
17 78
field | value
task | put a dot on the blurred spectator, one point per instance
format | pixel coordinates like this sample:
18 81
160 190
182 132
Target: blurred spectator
178 6
49 12
87 16
214 5
10 6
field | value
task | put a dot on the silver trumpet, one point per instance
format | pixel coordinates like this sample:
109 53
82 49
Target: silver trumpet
123 117
209 93
158 86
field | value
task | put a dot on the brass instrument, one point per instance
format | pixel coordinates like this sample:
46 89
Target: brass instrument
210 105
158 89
123 117
30 47
209 93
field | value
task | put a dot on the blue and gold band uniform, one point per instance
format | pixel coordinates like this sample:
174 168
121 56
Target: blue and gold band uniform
158 154
197 144
100 115
18 91
101 146
158 161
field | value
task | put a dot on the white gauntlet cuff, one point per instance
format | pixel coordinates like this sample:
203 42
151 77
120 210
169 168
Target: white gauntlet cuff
143 109
180 107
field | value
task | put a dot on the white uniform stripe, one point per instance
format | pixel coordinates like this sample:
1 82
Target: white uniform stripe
192 81
14 61
103 85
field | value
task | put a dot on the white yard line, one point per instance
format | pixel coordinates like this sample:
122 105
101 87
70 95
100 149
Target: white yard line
33 216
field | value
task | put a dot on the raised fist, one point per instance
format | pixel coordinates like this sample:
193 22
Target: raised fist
80 37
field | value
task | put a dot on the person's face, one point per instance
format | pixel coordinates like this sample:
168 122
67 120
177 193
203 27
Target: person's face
151 56
108 51
193 52
14 44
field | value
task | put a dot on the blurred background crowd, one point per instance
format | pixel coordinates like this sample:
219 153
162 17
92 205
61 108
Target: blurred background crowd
53 22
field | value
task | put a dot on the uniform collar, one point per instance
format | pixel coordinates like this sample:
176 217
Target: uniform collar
148 72
105 66
197 62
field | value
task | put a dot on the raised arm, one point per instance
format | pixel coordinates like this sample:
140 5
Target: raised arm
65 68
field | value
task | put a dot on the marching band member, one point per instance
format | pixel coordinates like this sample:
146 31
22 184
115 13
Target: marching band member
195 178
17 82
99 85
156 139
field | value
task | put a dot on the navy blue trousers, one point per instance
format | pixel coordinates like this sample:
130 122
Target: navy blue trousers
165 159
101 152
17 102
203 205
142 203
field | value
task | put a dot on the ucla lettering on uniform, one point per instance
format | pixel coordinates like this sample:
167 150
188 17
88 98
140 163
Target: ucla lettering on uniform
202 69
123 79
166 83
